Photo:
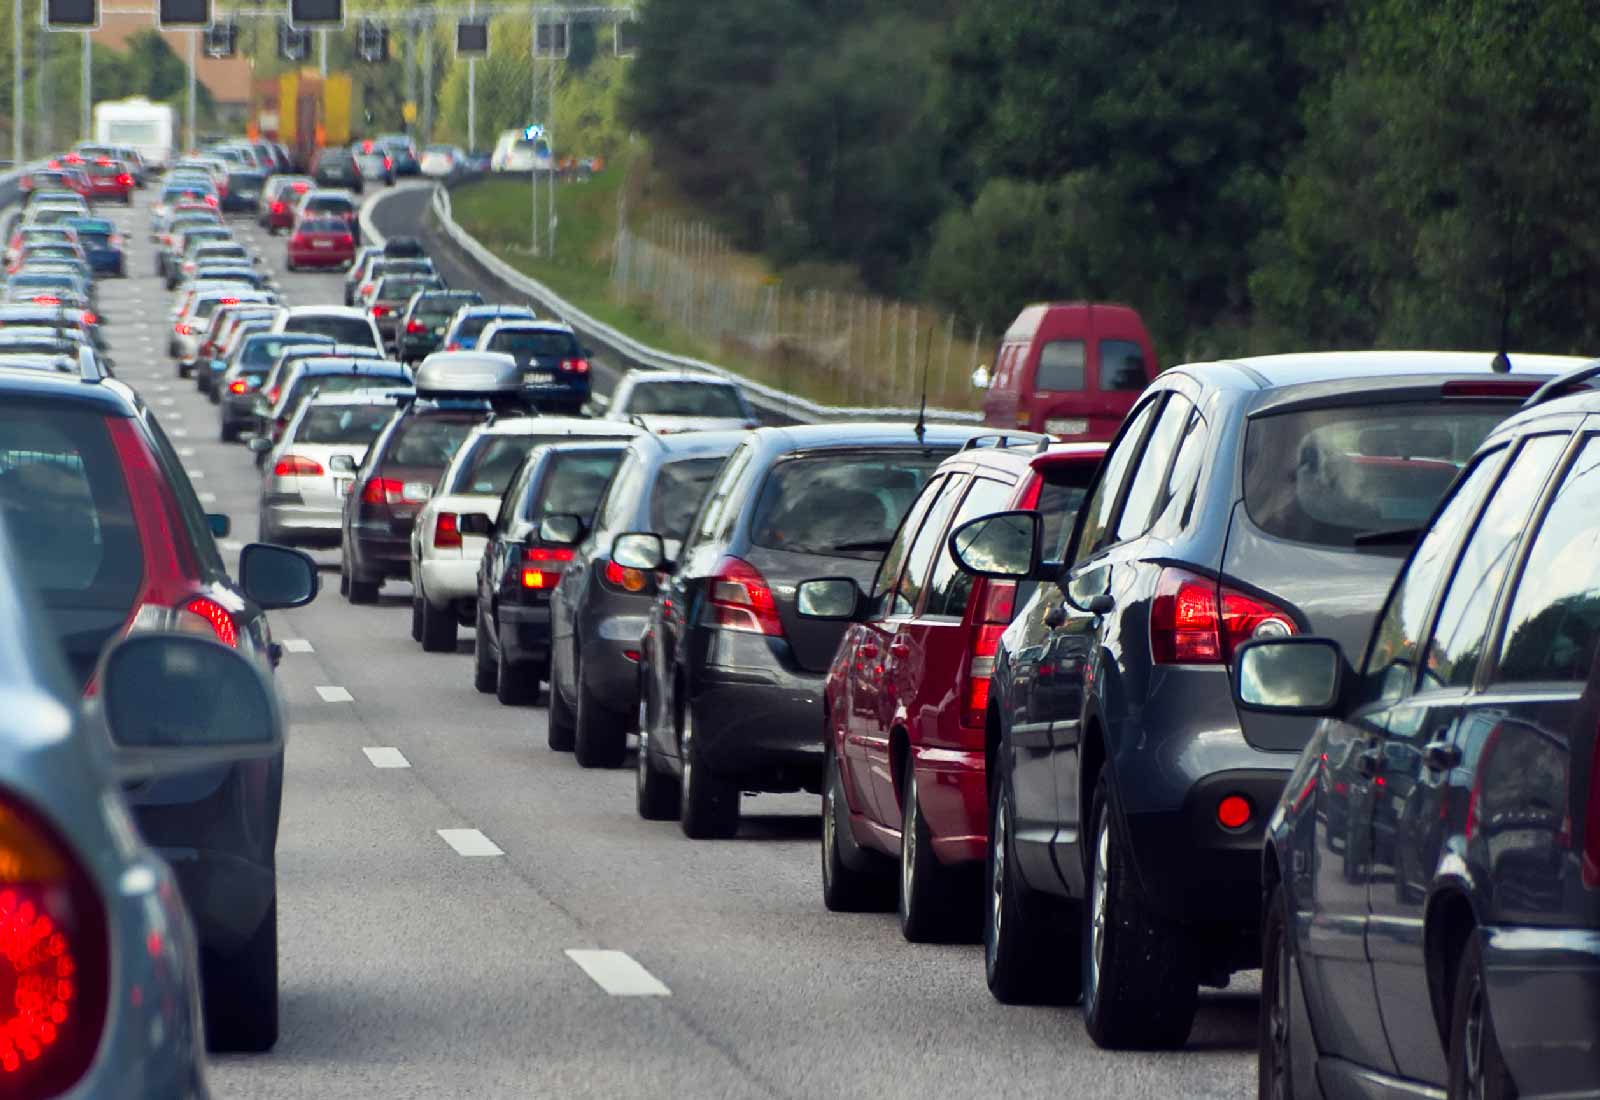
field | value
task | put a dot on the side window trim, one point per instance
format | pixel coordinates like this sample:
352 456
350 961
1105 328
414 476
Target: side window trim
943 552
924 503
968 480
1166 467
1154 401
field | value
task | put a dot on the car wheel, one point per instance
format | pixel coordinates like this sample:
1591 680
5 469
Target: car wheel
934 899
854 880
559 723
241 992
228 433
1477 1066
1030 948
485 672
361 591
656 794
1276 1040
344 581
1139 989
599 736
416 615
438 629
515 685
710 809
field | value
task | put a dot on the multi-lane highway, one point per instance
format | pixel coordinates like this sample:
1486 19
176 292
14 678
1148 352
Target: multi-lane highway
445 880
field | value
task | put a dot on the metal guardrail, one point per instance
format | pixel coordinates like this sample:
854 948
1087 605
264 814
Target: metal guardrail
626 350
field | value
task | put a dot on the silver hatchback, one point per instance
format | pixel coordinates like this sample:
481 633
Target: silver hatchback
310 472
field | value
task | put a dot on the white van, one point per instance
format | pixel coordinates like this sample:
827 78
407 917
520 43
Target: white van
137 122
514 151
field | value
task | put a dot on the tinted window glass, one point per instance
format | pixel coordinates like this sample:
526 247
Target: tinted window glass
575 484
1326 476
350 424
721 490
492 462
1451 658
950 588
1176 503
677 493
526 345
438 310
1060 497
201 540
1097 513
925 547
391 288
427 441
307 384
1555 617
344 330
325 225
1122 365
1392 658
841 505
622 496
685 399
260 352
1150 475
1060 367
895 556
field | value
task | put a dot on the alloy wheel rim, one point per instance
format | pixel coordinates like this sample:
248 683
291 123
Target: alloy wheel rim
643 763
1474 1039
1278 1018
1097 943
997 879
829 837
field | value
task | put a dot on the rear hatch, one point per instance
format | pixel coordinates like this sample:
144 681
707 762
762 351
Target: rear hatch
1333 499
416 457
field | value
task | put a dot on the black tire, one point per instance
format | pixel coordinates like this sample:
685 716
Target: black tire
1139 986
854 880
362 591
1275 1041
438 629
1477 1066
1030 941
485 672
227 433
710 809
344 582
656 794
599 736
559 722
241 992
515 685
416 615
936 901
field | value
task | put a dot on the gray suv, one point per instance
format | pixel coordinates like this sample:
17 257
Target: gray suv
1241 500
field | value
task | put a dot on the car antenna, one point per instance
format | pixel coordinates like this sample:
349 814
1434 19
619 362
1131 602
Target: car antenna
1501 363
922 406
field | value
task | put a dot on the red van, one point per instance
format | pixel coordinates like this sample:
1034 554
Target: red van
1070 369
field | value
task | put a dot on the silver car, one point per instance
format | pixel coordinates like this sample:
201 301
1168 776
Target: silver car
680 401
100 940
311 470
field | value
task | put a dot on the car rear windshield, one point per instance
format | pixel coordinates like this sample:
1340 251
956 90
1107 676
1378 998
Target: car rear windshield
685 399
237 180
325 225
330 206
575 484
261 352
1329 476
350 424
435 310
339 383
845 504
472 326
344 330
676 497
392 289
535 344
428 440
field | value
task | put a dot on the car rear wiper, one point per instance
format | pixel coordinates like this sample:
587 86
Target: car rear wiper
1399 536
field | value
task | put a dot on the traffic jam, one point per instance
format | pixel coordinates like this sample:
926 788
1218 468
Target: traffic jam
1274 674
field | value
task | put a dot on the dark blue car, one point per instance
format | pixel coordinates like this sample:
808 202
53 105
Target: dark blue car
102 245
555 367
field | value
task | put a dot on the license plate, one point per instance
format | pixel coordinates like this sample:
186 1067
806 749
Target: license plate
1066 427
321 244
439 331
539 378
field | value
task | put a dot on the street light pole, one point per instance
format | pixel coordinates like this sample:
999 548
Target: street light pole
194 39
86 88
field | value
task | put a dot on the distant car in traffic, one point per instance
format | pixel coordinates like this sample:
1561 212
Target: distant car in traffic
311 470
555 366
680 401
320 243
337 167
470 321
427 316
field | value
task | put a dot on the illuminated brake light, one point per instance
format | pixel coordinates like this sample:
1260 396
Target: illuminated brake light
381 311
238 385
994 614
1195 620
297 466
575 366
1234 812
183 329
624 578
741 599
278 208
46 300
382 490
537 561
447 532
203 615
413 327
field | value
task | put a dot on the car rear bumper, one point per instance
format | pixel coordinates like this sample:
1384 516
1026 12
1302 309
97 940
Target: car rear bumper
385 557
955 802
1544 998
105 261
760 728
524 633
238 408
609 670
303 523
445 580
320 257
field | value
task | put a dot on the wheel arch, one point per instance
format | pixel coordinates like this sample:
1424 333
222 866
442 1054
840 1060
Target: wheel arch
1091 762
1448 922
899 755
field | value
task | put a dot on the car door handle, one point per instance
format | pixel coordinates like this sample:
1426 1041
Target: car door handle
1441 756
1367 762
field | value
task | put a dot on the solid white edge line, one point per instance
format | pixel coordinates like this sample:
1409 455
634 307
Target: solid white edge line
469 842
385 757
618 973
332 694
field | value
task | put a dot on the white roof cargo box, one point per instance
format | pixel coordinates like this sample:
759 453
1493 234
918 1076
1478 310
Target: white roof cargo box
468 374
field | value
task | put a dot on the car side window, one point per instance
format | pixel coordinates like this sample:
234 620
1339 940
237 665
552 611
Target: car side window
1095 519
925 547
1450 658
1391 658
515 499
1174 506
622 496
895 556
949 587
1554 622
711 513
1151 473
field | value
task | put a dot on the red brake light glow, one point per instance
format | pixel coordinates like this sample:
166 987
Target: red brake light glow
382 490
624 578
536 571
214 615
238 385
741 599
1233 812
998 601
575 366
296 466
413 327
447 532
1197 621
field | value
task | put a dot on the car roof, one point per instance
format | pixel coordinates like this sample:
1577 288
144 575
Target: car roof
849 434
638 376
533 323
352 397
1272 371
326 311
105 394
576 426
497 310
351 364
689 444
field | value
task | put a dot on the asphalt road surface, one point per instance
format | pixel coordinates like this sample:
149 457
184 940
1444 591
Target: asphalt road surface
421 962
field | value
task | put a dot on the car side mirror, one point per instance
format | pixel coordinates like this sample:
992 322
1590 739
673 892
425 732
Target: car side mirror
639 550
259 444
1289 676
474 523
833 598
561 529
277 577
174 703
220 524
1002 546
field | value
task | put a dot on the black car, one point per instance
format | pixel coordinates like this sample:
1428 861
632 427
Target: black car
116 542
337 167
520 567
247 368
599 609
733 676
1251 499
1431 872
244 191
426 317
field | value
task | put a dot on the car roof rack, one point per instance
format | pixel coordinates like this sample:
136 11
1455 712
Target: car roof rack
1559 385
998 440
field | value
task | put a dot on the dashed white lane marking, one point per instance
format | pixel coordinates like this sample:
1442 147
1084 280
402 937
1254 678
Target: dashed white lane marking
185 452
178 433
469 842
335 694
195 475
231 546
207 498
163 388
387 758
618 974
297 645
166 401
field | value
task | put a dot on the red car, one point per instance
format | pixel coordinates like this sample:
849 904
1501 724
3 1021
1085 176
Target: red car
908 689
279 203
109 180
321 242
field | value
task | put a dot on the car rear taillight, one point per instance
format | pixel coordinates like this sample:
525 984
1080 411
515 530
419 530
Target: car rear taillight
541 565
296 466
55 952
575 366
1504 388
742 600
447 532
208 618
46 300
240 385
182 329
381 311
414 327
211 200
298 240
624 579
994 614
89 318
346 241
272 395
1195 620
382 490
452 346
366 288
300 187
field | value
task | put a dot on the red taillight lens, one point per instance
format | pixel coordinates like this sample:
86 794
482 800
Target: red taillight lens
537 571
447 532
366 288
89 318
452 346
296 466
209 613
183 329
381 311
414 327
54 954
125 180
297 241
211 200
575 366
346 241
278 208
382 490
994 613
387 163
1233 812
238 385
300 187
742 600
272 395
625 579
46 300
1196 621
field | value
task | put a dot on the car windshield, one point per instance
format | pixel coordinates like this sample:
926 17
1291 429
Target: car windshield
844 504
535 344
342 207
575 484
343 329
677 494
338 383
429 441
708 399
393 289
1331 475
348 424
